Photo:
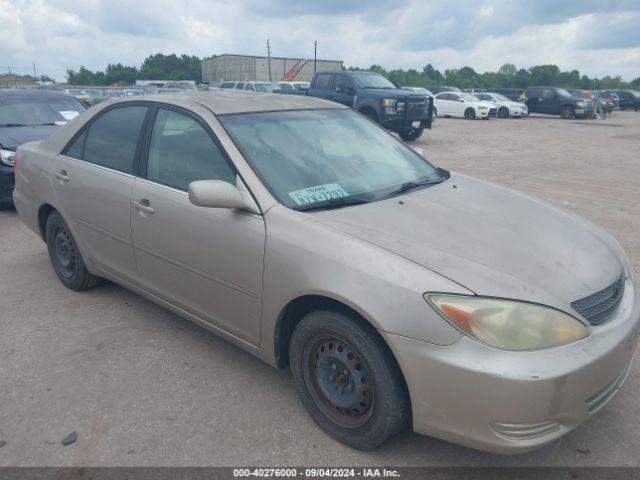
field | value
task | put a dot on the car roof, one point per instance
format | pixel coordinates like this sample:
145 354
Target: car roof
222 103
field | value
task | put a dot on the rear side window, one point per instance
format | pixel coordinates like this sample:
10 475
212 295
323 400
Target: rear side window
240 86
228 85
113 137
323 81
182 151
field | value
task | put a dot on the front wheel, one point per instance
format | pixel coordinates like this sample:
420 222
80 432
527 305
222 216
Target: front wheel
470 114
347 379
411 135
567 112
65 256
503 112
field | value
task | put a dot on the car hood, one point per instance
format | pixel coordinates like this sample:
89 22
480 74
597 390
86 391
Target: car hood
389 93
12 137
489 239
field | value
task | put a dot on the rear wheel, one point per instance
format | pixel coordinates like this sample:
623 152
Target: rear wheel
567 112
65 256
503 112
470 114
411 135
348 380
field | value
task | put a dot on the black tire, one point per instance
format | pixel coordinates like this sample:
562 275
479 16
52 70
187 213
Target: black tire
503 112
366 402
567 112
411 135
470 114
65 256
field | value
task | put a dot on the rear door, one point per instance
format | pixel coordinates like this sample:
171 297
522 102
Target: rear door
205 261
93 178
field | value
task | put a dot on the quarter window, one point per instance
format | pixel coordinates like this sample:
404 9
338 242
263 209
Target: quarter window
113 137
181 152
77 147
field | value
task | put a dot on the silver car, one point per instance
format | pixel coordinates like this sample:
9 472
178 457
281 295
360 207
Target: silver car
397 292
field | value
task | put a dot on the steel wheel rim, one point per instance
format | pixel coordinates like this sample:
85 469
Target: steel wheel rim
64 252
339 381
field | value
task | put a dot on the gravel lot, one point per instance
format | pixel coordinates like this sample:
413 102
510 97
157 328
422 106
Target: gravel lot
144 387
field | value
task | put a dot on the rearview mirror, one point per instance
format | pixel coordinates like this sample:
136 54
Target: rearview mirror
216 194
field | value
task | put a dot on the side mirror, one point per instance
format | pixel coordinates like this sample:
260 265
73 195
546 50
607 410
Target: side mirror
461 99
216 194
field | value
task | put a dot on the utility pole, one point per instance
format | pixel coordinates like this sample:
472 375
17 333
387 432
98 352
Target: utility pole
35 75
315 55
269 57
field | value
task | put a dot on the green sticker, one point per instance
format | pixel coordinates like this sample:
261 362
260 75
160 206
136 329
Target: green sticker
319 193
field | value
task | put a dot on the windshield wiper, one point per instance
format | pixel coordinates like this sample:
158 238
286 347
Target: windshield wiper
331 203
408 186
14 125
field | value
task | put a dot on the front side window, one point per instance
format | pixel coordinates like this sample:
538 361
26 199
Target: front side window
311 156
112 138
181 152
249 87
240 86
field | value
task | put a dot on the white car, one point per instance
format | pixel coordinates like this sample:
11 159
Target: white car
419 90
291 86
506 108
460 104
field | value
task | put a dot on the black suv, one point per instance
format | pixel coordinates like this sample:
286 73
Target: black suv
557 101
371 94
628 99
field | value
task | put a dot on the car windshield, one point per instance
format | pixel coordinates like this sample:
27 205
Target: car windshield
500 97
264 87
371 80
38 111
309 157
468 97
301 85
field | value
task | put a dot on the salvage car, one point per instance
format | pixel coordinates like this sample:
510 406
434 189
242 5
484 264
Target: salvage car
506 108
398 293
458 104
27 115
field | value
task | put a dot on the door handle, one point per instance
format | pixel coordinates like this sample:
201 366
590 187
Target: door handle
62 175
144 206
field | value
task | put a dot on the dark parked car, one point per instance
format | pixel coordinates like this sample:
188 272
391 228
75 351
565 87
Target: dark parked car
606 101
25 116
629 99
398 110
557 101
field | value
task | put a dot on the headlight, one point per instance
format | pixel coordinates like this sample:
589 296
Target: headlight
508 324
7 157
483 107
392 105
580 104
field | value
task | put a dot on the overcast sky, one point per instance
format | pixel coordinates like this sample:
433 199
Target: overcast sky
596 37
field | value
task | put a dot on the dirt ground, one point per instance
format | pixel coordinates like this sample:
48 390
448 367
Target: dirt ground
141 386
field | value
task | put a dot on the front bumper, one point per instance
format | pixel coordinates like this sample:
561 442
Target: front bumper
513 402
7 183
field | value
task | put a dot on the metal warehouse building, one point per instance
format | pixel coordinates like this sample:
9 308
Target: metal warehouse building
247 67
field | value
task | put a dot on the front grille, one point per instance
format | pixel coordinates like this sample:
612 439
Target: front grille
416 107
493 112
599 307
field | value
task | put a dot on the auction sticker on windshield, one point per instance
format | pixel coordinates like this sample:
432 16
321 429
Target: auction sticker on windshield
69 114
319 193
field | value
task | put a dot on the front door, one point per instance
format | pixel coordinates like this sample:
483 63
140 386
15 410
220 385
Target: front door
93 179
344 91
206 261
